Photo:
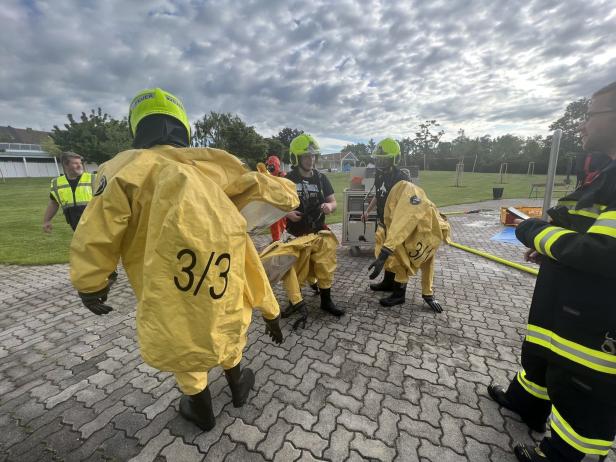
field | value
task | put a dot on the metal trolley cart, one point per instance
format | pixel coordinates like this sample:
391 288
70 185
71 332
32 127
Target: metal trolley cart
355 233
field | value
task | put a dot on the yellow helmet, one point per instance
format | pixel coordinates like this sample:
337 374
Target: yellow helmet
301 145
387 147
156 101
386 153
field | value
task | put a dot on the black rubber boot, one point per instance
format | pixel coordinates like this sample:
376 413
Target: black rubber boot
240 382
498 394
397 297
387 284
327 304
526 453
198 409
315 288
289 310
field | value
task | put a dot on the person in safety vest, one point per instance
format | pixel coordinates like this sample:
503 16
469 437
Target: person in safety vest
273 166
178 217
409 232
72 191
569 353
311 256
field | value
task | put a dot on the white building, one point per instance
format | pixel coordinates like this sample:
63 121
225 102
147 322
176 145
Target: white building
22 156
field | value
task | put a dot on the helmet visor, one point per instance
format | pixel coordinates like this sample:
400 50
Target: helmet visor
312 150
382 162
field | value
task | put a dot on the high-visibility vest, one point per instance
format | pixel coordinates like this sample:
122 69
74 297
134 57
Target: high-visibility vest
63 194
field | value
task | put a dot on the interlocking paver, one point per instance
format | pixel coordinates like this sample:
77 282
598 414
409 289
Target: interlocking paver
372 449
326 423
406 448
178 450
298 417
307 440
250 435
358 423
402 382
477 451
486 434
438 453
154 446
205 440
275 438
287 454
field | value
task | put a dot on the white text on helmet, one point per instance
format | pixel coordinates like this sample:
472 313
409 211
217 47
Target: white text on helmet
174 101
140 99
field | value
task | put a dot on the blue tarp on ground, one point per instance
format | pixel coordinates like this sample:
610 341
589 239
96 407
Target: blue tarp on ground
507 235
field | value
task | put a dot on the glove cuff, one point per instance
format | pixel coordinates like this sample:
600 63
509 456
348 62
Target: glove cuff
275 320
98 293
385 252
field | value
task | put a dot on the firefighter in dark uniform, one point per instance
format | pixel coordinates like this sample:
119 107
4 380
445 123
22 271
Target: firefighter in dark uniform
317 200
569 353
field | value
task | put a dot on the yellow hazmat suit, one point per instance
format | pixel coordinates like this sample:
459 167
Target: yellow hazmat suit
414 229
178 218
306 258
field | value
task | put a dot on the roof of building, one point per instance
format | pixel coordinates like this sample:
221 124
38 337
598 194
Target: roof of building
338 156
22 135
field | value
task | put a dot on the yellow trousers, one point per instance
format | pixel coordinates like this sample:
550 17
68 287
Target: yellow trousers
191 383
403 271
315 263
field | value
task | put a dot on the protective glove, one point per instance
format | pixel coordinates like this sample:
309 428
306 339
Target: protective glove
431 301
272 328
301 321
379 262
95 301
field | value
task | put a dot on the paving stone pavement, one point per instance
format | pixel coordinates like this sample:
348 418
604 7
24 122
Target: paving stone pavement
401 384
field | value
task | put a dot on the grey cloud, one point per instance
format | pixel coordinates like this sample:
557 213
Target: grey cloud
348 67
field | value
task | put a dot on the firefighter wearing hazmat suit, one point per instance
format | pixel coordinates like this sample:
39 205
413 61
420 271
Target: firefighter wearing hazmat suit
410 230
178 217
311 256
272 164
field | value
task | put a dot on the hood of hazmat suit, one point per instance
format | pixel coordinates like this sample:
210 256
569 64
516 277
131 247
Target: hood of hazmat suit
174 217
414 228
259 201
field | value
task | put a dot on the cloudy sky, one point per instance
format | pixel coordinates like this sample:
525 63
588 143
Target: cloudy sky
342 70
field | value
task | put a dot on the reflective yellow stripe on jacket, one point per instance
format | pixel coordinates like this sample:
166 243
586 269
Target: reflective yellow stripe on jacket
62 192
593 359
589 212
579 442
547 237
605 224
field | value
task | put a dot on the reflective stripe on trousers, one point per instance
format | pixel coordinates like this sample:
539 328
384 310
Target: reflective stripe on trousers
536 390
579 442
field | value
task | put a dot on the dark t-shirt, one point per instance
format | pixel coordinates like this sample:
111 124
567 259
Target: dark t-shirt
72 214
312 193
383 185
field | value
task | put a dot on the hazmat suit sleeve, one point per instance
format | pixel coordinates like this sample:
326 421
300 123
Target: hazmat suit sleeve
257 291
408 206
96 245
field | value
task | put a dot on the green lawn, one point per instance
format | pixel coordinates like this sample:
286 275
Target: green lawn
439 186
23 202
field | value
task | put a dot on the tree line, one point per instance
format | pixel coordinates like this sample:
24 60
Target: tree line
98 137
